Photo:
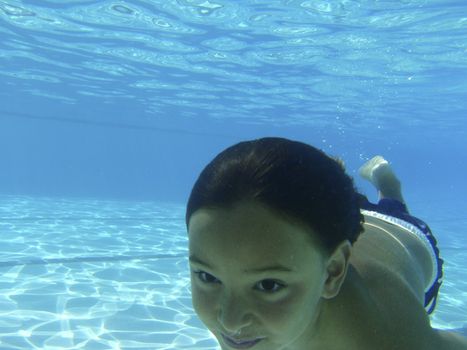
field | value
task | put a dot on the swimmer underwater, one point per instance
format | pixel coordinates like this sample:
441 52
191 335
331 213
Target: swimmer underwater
286 254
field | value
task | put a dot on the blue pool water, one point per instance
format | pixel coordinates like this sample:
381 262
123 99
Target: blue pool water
110 109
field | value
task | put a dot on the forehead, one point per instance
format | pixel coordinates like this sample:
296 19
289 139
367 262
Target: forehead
249 232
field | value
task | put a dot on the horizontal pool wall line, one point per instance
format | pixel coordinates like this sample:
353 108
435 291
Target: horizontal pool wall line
109 124
74 260
78 218
132 218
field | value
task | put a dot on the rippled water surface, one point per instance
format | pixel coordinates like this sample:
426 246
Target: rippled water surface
344 63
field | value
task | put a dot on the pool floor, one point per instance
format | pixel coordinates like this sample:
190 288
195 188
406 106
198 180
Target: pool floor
93 274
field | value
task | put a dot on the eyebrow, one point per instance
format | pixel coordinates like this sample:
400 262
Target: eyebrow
272 268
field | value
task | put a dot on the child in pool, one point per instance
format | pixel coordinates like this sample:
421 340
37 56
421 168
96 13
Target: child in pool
285 254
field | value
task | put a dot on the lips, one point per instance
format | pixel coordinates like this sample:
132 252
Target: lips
240 344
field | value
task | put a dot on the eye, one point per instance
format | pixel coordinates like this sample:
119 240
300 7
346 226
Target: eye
206 277
267 285
270 286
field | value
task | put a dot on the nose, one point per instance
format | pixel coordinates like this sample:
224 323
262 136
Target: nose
234 314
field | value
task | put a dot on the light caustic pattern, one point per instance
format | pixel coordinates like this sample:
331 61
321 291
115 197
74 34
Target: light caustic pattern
95 275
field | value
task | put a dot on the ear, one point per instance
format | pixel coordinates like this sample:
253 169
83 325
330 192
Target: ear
336 269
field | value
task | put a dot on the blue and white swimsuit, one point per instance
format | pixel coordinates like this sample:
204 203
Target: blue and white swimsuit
396 213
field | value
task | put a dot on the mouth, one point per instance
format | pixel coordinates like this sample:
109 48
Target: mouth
241 344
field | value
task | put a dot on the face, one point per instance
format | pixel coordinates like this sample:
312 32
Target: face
256 278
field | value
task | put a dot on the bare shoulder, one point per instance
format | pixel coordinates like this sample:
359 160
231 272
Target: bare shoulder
452 341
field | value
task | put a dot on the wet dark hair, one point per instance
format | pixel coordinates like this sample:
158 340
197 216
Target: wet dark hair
296 180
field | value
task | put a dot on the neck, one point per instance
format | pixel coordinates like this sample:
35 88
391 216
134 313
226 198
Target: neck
338 325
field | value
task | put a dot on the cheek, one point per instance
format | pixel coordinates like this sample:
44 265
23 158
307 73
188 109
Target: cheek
289 319
203 304
286 310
